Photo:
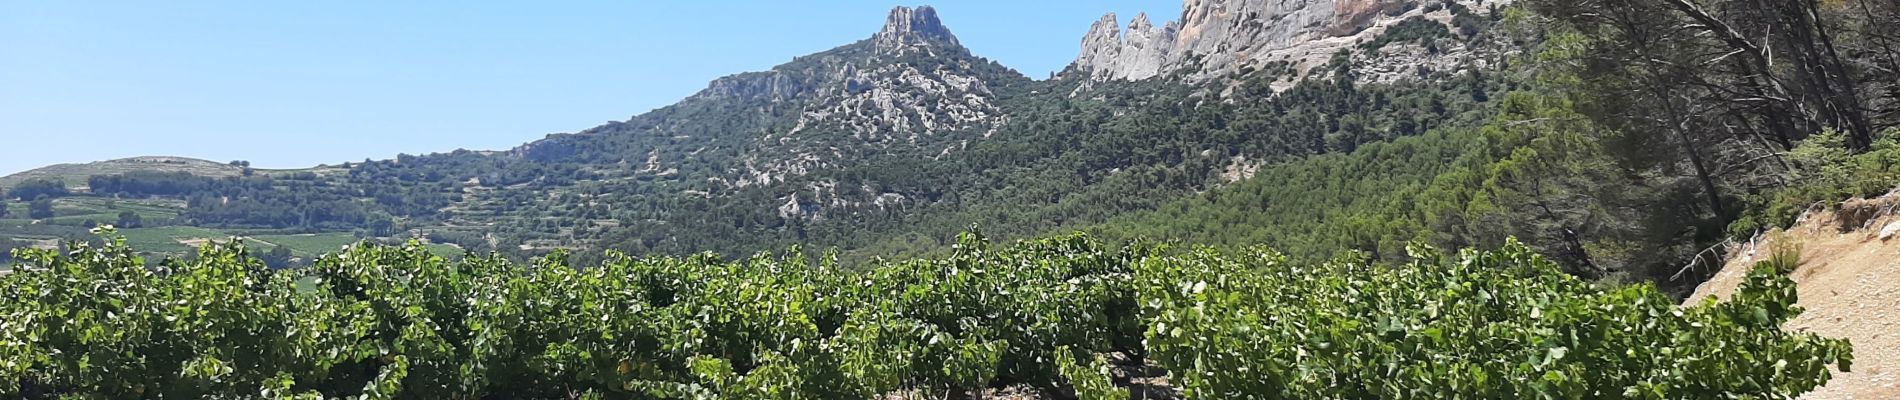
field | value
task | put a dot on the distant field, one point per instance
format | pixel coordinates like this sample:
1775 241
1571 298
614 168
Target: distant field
173 239
446 251
308 245
76 210
73 212
169 239
77 219
145 208
180 240
311 245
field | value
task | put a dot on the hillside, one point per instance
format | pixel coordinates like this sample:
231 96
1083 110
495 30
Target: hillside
883 149
1848 281
75 175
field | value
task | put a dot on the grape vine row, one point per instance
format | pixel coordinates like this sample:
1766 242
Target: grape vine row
385 322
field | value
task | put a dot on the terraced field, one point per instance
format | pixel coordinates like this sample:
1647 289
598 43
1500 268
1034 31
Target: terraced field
170 239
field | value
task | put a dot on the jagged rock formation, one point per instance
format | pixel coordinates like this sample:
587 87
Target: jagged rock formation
919 82
1215 38
1139 56
769 85
908 28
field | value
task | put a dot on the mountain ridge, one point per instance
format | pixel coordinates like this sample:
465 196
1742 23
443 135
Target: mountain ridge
1214 39
901 87
851 147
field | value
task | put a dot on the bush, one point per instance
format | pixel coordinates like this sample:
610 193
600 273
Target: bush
1784 253
41 208
37 188
1481 325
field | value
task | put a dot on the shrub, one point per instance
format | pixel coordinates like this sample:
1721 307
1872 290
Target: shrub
1831 175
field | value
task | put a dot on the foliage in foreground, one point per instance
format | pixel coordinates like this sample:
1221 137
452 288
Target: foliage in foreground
398 322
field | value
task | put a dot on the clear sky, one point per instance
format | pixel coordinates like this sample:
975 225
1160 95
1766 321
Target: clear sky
291 84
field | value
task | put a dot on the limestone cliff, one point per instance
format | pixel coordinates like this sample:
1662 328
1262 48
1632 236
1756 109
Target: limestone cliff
1138 56
1215 38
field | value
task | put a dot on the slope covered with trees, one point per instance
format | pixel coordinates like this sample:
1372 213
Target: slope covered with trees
1587 160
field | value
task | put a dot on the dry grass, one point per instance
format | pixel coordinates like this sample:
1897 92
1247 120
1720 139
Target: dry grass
1784 252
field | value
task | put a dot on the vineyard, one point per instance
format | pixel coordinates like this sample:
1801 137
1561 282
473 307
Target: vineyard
1062 317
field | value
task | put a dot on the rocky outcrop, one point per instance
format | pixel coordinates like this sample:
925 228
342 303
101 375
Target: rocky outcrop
1102 46
908 29
1215 38
902 102
1138 56
882 103
771 85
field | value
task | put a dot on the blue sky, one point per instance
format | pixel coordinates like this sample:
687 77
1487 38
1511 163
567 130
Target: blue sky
290 84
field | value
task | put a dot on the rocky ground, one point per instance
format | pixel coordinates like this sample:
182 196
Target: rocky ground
1849 282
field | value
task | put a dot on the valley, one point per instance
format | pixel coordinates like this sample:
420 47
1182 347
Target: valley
1321 199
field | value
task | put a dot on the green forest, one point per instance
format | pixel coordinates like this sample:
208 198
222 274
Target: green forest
1526 224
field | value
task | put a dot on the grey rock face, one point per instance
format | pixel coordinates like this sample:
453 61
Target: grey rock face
910 87
1102 46
1145 45
908 28
1139 56
905 30
1216 37
770 85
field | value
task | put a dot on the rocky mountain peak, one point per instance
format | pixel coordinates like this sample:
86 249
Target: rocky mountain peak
908 27
1140 23
911 88
1109 54
1102 44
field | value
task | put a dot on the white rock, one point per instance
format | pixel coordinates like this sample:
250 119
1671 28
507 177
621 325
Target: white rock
1218 37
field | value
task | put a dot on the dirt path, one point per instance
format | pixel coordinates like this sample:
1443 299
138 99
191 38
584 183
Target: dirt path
1849 282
